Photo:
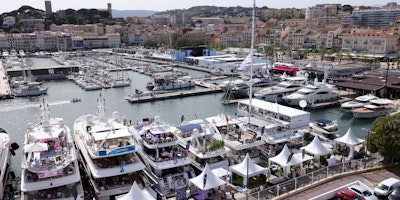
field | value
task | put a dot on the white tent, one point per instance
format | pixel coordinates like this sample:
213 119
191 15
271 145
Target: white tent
247 169
316 148
283 160
135 193
207 179
350 140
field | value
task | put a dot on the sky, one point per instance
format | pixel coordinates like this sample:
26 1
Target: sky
163 5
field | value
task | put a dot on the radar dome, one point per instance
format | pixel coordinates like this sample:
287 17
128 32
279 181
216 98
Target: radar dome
115 115
90 118
157 119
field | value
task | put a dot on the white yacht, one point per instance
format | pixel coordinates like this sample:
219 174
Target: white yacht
29 89
275 93
49 161
327 128
7 190
108 153
167 163
358 102
377 107
172 82
203 147
240 135
313 93
229 84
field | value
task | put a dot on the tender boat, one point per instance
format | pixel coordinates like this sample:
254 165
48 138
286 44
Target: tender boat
325 127
108 153
49 163
167 162
377 107
358 102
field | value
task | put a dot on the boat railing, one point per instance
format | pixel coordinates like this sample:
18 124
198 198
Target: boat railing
51 172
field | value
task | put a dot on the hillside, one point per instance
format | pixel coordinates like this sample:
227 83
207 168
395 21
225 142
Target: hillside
132 13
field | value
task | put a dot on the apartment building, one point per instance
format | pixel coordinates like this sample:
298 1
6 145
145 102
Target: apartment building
370 42
380 17
8 21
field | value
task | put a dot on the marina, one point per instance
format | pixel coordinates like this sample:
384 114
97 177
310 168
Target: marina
170 110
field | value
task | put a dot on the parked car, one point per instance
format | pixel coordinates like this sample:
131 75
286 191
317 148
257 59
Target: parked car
346 194
363 191
384 188
395 195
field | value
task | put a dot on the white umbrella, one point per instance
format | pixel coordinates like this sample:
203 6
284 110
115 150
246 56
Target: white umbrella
33 147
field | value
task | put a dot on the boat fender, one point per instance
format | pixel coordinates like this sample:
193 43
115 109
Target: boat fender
14 146
88 128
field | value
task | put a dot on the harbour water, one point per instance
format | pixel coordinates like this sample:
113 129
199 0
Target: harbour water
16 113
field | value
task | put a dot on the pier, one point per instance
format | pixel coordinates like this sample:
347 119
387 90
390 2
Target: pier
208 88
5 89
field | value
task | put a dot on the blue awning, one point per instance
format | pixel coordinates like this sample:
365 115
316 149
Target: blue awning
189 127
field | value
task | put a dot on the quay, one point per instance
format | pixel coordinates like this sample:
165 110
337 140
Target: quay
153 96
5 89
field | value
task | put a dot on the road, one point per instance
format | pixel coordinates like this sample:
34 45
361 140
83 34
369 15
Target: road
371 179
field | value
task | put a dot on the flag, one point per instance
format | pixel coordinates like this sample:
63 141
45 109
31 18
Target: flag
246 61
182 118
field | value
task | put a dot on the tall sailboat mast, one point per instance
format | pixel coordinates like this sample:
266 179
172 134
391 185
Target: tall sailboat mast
251 56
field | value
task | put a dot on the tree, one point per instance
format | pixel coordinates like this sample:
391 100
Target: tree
384 137
15 30
347 8
149 43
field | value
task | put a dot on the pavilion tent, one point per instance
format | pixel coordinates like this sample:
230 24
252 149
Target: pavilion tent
286 161
135 193
247 169
350 140
316 148
207 179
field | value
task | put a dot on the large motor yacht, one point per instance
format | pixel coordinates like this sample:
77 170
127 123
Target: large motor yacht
313 93
49 162
376 108
203 147
167 163
358 102
275 93
108 153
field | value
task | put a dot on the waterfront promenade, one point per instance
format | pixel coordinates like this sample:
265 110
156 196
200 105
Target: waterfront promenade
5 90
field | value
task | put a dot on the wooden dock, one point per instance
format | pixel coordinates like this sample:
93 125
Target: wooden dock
208 88
328 104
170 95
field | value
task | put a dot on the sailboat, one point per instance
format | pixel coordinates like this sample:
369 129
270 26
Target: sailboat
120 80
27 88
